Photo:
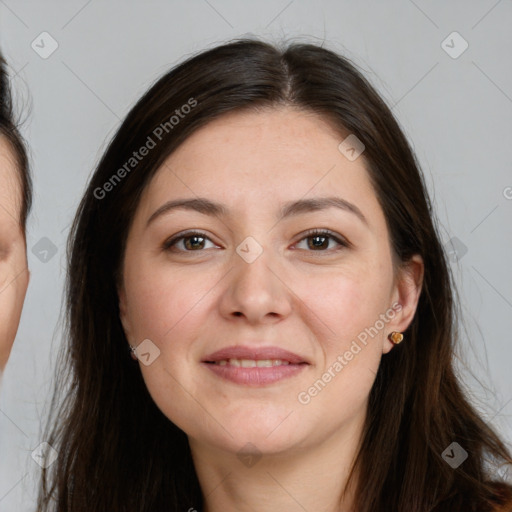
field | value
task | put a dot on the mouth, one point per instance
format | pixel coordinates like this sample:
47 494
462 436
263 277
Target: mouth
251 363
254 367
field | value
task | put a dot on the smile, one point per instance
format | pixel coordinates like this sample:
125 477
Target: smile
256 373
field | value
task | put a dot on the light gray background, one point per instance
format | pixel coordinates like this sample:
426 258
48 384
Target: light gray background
457 113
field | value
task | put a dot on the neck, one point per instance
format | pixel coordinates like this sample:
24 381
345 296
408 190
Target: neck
306 478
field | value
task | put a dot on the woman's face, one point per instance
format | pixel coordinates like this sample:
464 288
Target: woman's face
256 279
14 274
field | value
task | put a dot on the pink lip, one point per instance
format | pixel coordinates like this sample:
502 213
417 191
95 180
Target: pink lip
255 376
241 352
258 376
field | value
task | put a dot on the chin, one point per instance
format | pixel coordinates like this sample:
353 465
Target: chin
258 443
269 432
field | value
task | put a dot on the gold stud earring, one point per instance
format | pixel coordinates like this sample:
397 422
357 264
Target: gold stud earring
395 337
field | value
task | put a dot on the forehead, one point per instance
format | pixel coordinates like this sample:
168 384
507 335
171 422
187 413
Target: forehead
261 158
10 188
264 139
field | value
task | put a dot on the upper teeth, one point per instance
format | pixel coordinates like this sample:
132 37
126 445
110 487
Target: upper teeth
251 363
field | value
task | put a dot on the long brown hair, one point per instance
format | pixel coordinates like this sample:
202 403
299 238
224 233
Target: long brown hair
117 451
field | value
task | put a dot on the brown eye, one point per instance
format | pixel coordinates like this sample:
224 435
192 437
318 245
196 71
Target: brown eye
190 242
318 240
194 241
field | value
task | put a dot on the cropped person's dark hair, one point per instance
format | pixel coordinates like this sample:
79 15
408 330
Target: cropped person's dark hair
9 130
117 450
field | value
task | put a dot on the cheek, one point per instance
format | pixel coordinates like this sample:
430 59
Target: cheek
172 308
340 305
350 307
164 301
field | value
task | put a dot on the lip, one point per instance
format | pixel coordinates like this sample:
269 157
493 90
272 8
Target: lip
257 353
255 376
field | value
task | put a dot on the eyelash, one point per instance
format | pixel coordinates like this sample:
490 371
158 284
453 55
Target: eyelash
168 245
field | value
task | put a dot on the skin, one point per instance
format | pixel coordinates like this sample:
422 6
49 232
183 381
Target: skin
311 301
14 273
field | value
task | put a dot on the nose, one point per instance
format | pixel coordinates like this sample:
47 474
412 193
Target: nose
256 291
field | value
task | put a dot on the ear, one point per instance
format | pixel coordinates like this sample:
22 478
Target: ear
406 292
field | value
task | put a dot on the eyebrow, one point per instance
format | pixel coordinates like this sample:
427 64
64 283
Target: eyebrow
290 209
